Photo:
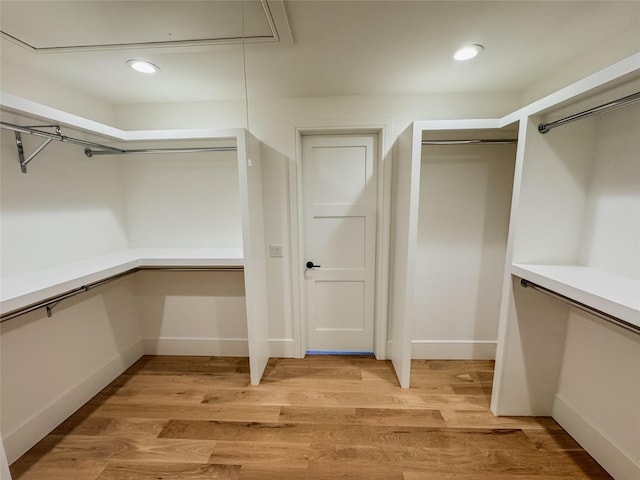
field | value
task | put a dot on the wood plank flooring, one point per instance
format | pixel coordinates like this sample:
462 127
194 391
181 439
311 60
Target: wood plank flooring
323 417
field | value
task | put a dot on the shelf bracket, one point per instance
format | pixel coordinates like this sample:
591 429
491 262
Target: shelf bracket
49 308
21 157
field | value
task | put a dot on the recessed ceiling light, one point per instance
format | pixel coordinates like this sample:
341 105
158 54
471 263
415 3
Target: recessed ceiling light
468 52
142 66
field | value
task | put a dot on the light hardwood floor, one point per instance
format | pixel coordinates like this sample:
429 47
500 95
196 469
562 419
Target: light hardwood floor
333 417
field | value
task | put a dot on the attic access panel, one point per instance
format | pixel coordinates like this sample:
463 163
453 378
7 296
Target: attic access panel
59 26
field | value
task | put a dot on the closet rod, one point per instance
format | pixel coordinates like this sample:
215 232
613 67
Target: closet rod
546 127
51 302
92 147
194 269
90 152
585 308
55 136
488 141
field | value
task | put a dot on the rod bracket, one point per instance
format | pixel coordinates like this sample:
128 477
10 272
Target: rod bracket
21 157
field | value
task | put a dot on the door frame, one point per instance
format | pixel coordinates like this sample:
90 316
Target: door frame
383 231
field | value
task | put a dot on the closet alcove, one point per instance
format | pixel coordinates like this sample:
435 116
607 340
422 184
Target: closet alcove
573 236
576 238
466 181
170 245
452 188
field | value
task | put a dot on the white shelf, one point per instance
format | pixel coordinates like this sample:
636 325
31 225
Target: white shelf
23 290
608 292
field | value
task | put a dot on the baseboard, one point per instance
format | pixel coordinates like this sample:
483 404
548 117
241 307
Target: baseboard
614 460
453 350
17 443
282 347
222 347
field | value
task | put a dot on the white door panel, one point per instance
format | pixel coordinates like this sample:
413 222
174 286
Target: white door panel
339 190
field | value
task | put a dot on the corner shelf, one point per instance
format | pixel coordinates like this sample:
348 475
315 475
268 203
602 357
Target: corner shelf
27 289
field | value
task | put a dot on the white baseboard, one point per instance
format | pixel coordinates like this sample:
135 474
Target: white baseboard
17 443
453 350
224 347
221 347
614 460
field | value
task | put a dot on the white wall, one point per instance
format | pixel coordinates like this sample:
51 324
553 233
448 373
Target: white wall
192 313
599 386
599 393
555 182
182 200
609 51
67 207
465 195
51 366
20 81
611 229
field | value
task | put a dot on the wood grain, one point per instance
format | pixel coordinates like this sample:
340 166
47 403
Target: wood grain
322 417
169 471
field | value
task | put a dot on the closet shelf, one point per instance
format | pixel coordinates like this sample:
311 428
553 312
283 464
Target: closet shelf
23 290
608 292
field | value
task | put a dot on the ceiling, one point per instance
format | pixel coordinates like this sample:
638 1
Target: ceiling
301 48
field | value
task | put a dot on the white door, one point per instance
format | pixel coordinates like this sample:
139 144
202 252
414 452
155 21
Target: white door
339 192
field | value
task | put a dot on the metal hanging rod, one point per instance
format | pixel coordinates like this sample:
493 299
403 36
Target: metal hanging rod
49 303
585 308
546 127
194 269
92 147
90 152
497 141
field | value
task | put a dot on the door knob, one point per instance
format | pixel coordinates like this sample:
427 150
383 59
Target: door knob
311 265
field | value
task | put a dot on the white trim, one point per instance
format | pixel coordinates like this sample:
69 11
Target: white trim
297 303
383 243
255 275
229 347
17 442
616 461
462 124
224 347
282 347
453 349
382 130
